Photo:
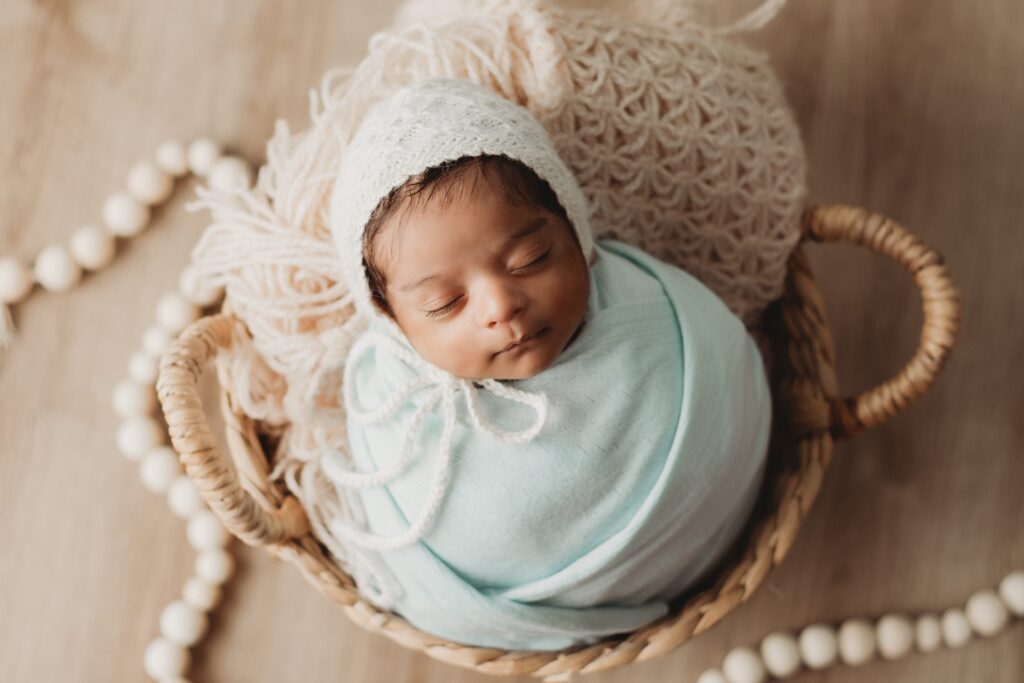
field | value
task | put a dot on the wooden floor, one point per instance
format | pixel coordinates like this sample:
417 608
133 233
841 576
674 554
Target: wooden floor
912 108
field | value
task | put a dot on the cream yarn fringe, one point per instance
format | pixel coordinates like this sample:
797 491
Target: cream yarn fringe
682 141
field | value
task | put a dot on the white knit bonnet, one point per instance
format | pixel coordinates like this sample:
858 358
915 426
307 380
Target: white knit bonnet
421 126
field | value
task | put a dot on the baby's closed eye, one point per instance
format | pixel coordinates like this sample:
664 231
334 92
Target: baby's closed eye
533 260
443 308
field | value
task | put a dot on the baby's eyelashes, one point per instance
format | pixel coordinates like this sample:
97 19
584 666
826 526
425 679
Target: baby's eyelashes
535 262
438 312
528 265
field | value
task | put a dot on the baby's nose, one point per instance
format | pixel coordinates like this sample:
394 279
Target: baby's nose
500 304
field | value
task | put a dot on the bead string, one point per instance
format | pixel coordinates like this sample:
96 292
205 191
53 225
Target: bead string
858 641
141 437
183 622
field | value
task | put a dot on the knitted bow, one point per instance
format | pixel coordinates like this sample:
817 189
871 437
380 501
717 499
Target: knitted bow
442 388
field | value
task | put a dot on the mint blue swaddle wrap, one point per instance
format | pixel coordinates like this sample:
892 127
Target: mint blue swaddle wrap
557 510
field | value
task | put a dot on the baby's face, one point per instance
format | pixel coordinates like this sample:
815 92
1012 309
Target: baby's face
467 280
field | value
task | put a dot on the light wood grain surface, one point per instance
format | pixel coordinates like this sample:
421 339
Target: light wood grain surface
912 108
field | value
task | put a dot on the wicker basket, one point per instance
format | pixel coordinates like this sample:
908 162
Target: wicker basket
809 415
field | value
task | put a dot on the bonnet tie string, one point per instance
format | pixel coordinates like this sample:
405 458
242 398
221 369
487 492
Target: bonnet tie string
442 389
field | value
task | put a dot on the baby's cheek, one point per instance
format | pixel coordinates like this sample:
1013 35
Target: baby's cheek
426 342
570 302
461 353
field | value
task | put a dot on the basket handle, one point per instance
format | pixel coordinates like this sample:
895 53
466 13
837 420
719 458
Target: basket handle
940 299
177 388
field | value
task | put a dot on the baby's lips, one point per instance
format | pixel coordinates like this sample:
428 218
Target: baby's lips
528 337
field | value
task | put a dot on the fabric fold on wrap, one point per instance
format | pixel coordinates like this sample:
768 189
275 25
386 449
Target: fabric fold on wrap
638 460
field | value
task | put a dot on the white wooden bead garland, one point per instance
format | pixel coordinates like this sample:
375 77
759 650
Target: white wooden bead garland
858 641
141 436
184 621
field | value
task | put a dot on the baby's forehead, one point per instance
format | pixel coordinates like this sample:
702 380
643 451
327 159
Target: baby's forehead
492 213
442 229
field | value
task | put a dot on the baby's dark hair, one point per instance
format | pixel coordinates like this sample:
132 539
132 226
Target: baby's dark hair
449 181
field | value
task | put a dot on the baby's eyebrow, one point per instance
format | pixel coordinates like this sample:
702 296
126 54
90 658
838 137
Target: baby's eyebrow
419 283
530 228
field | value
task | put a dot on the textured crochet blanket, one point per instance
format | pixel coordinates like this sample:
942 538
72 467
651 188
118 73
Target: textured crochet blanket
635 478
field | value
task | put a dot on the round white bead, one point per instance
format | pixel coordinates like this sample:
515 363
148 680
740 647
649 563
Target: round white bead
184 498
742 665
956 630
986 613
56 270
818 646
137 436
182 624
1011 590
712 676
171 158
163 659
174 312
895 634
214 565
159 468
856 642
155 339
149 184
202 153
200 594
133 399
124 215
205 530
15 280
92 247
143 367
229 173
927 633
781 654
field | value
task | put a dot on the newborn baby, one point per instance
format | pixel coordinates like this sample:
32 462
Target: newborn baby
548 438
